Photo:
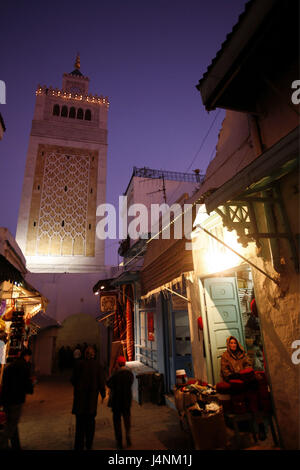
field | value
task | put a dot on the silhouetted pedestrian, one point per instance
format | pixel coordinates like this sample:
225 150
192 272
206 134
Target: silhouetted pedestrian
88 380
83 349
120 383
77 353
69 357
15 385
62 358
96 350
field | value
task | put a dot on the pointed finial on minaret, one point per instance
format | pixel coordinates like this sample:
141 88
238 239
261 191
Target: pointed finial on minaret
77 62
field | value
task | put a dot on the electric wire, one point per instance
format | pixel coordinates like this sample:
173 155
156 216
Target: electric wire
198 151
182 213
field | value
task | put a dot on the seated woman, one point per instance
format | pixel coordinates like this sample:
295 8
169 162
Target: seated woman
233 360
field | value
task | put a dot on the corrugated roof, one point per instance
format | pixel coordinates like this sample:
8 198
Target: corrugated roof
229 36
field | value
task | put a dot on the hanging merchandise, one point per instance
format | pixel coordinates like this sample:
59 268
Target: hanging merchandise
200 323
3 342
8 312
119 332
129 324
17 334
253 308
150 326
2 307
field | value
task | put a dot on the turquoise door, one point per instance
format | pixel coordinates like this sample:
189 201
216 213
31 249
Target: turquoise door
223 318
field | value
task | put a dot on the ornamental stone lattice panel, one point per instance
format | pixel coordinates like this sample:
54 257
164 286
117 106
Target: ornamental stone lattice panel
63 206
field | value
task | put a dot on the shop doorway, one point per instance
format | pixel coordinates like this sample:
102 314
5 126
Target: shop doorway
177 341
182 350
229 311
223 317
146 338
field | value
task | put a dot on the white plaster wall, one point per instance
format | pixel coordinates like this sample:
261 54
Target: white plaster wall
44 345
148 191
194 311
279 311
68 294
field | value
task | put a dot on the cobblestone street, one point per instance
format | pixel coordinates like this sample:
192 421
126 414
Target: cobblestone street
47 422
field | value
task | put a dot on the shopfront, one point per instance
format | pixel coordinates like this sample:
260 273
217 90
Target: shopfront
164 298
227 295
19 301
147 337
259 208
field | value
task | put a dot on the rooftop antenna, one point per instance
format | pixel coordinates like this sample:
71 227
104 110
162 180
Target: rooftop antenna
163 189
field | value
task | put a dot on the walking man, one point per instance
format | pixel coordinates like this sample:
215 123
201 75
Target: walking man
88 380
120 384
15 385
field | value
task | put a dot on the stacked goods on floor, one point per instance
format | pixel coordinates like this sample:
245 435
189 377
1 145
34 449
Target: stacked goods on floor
249 394
199 402
197 396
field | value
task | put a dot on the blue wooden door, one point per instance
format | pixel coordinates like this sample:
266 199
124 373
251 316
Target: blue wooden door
182 350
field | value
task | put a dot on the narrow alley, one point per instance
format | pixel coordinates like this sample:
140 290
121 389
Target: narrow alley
47 424
149 230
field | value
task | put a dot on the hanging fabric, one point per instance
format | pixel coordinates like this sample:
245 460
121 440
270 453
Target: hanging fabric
129 324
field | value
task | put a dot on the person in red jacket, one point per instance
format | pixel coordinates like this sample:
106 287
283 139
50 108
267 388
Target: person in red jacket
120 383
233 360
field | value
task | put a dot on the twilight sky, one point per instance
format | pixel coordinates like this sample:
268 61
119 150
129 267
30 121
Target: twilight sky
146 56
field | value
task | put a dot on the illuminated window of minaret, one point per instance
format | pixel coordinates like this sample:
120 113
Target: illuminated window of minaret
65 178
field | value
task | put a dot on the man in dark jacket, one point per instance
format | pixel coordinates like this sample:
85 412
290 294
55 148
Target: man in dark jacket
120 384
88 380
15 385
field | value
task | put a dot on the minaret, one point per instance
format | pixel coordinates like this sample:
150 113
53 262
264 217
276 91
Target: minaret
65 179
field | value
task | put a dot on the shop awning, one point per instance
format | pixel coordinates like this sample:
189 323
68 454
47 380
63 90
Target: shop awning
272 164
126 278
102 284
165 266
31 299
253 45
41 321
258 186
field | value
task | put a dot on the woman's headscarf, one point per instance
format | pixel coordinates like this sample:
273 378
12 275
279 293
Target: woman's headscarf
240 353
